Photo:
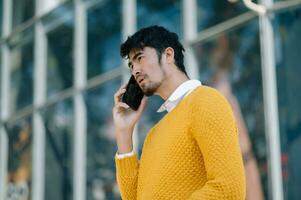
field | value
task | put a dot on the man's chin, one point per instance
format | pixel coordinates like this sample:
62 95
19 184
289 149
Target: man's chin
148 92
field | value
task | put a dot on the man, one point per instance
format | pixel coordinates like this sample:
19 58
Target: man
193 151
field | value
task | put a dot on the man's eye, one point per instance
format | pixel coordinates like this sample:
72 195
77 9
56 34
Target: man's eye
139 58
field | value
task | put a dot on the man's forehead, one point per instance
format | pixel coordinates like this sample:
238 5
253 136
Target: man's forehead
133 52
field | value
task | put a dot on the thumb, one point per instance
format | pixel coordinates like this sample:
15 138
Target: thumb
143 104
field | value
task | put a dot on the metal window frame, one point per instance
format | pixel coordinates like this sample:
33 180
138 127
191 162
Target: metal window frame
189 8
269 81
68 93
227 25
29 23
129 26
5 85
39 96
40 101
270 98
80 111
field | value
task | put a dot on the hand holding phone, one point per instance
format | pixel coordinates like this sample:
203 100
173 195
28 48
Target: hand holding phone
133 94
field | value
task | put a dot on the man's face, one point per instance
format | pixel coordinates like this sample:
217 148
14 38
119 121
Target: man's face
148 72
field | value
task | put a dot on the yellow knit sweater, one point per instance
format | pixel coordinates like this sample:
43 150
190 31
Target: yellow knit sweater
191 153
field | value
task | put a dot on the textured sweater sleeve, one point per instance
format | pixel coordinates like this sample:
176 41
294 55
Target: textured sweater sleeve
214 129
127 169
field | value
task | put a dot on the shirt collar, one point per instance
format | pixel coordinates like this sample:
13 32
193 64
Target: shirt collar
180 92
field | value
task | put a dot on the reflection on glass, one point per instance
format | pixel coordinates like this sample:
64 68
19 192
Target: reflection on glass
50 5
19 178
212 12
21 93
104 37
22 11
1 16
167 13
59 151
230 62
0 78
101 145
288 54
60 50
149 118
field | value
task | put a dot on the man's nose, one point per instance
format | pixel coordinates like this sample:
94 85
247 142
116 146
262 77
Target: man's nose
136 70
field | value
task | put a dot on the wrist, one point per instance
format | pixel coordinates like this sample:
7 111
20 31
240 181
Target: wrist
124 145
124 149
124 131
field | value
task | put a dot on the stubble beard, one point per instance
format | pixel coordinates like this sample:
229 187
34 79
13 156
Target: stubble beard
150 88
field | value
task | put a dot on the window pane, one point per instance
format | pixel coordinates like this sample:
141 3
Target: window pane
213 12
60 24
149 118
104 37
167 13
50 5
0 78
23 10
19 178
101 145
59 151
1 16
21 69
288 54
231 63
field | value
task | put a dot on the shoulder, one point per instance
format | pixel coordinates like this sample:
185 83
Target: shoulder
209 108
208 103
205 96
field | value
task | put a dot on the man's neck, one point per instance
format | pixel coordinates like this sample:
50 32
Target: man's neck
171 84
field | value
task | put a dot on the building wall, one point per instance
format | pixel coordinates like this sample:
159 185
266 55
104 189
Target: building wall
57 140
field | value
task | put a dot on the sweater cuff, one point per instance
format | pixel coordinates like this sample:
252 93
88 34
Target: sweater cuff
127 166
123 155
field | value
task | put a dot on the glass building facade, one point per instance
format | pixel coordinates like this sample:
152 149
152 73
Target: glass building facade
60 67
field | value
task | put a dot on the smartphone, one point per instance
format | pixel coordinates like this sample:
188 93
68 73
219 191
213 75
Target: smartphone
133 94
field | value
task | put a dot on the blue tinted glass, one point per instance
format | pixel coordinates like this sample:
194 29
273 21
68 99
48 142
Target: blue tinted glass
21 69
167 13
149 118
19 177
0 78
104 37
60 23
101 144
22 11
213 12
1 16
231 63
59 151
287 46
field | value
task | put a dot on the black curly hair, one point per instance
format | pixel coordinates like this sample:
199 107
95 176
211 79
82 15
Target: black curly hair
158 38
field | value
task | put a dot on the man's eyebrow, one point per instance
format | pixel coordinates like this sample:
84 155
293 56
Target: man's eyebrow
134 58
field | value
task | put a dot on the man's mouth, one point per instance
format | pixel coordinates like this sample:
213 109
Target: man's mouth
141 80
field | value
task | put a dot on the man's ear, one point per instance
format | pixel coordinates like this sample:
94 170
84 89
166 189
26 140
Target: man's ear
170 55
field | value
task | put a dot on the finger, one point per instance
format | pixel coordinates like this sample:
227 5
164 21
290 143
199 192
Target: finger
120 106
123 86
118 94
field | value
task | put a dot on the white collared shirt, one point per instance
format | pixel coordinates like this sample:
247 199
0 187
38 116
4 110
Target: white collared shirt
182 91
175 98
